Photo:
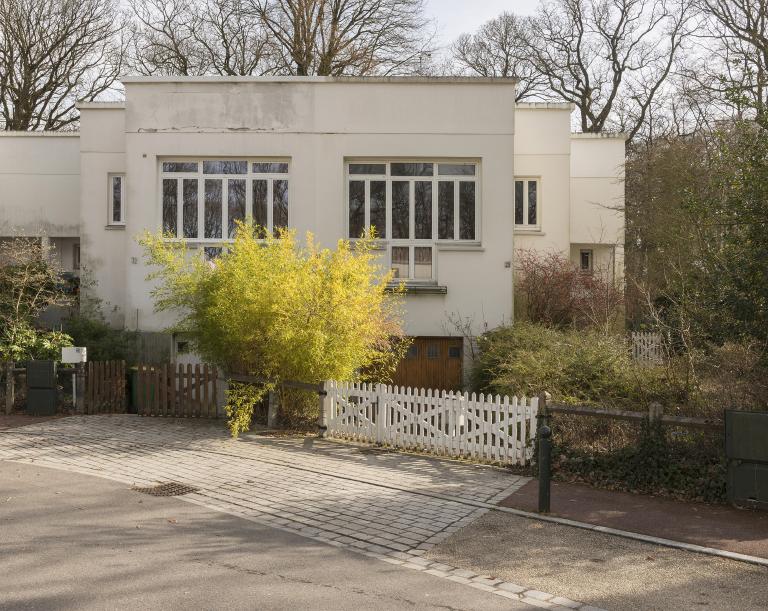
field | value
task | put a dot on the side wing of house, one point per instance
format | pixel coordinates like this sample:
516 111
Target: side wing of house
597 203
569 189
39 191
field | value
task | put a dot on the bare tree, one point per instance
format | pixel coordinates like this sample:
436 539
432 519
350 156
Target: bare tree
737 41
348 37
200 37
52 53
498 49
595 53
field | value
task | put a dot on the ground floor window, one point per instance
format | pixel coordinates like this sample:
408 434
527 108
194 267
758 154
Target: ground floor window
203 200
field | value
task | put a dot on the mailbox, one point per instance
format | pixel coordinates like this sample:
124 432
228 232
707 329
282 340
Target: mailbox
74 354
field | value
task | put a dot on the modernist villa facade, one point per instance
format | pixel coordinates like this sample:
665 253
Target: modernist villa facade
454 175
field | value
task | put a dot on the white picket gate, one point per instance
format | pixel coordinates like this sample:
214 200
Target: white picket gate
492 429
647 347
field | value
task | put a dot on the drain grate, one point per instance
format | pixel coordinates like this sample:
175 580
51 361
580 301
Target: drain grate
166 489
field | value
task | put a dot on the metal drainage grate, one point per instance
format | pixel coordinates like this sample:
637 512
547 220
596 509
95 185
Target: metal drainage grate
167 489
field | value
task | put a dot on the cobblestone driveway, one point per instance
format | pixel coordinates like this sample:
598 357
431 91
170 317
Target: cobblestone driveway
389 505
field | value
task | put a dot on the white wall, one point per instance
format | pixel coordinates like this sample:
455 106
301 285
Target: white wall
39 184
543 150
102 248
318 123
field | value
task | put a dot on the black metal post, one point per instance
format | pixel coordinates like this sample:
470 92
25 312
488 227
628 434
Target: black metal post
545 467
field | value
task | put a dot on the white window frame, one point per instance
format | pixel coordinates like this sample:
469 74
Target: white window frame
249 176
110 200
387 242
526 183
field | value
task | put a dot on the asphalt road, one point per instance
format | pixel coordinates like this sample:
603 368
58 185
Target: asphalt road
70 541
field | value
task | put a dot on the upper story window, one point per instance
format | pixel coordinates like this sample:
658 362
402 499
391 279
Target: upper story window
203 200
412 205
527 203
116 198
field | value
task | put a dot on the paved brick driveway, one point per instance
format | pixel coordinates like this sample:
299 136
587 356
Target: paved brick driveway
389 505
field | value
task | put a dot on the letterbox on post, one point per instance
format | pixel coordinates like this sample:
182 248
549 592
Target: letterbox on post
746 446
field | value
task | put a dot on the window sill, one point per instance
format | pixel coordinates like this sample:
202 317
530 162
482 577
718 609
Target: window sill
115 227
460 247
418 288
526 231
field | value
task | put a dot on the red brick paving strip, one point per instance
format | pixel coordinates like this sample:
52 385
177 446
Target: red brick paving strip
721 527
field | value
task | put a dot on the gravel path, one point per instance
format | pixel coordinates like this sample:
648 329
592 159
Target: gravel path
602 570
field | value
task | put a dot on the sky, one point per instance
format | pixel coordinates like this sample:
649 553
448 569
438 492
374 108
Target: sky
454 17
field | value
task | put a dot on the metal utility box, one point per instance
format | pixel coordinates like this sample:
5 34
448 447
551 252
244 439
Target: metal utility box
42 401
746 446
42 392
41 374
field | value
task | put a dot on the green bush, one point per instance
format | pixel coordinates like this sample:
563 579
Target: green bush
103 342
575 366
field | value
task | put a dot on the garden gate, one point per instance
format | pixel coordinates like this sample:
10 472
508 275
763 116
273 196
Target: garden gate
492 429
104 387
178 390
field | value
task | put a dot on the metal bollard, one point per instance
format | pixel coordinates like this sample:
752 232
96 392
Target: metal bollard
545 467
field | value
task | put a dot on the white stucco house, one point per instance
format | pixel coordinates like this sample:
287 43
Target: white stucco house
454 175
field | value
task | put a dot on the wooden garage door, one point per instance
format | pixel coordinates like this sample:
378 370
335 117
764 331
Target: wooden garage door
432 362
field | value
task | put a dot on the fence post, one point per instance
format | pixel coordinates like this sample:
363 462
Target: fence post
381 413
10 387
80 388
272 410
545 467
655 412
322 423
544 458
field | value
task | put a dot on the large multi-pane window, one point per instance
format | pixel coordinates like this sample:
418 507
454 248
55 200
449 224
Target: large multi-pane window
527 198
413 205
203 200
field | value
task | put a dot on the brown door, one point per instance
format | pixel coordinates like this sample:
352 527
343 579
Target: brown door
432 362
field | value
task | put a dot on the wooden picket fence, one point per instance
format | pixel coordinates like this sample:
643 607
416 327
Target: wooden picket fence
486 428
177 390
647 347
104 387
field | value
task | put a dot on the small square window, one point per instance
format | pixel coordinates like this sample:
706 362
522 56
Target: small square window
211 253
182 347
454 352
413 352
585 260
433 351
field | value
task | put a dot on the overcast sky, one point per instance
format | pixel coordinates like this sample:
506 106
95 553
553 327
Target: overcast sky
455 17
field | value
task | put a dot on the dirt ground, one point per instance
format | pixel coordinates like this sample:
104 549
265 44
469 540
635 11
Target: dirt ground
602 570
13 421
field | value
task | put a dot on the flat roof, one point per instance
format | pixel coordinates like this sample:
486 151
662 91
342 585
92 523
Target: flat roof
546 105
598 135
101 105
470 80
39 134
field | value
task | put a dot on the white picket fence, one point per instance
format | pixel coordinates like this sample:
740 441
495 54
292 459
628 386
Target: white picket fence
647 347
491 429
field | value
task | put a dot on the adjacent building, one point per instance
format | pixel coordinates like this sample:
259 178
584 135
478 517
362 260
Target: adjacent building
453 174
